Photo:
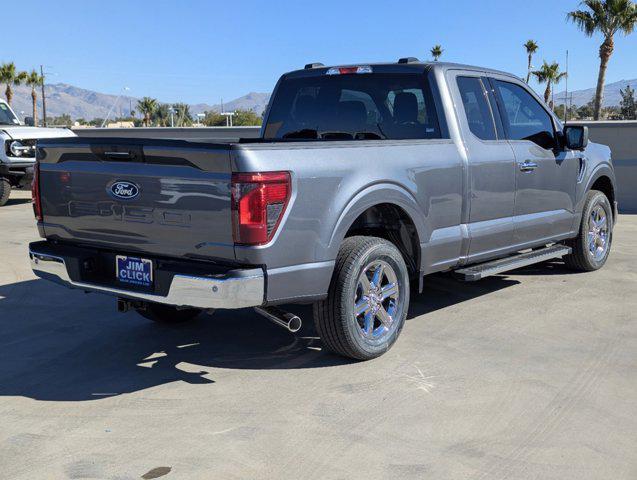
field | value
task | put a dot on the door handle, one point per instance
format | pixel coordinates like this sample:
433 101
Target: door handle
527 166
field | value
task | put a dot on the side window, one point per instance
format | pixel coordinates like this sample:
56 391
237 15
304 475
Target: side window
476 108
523 116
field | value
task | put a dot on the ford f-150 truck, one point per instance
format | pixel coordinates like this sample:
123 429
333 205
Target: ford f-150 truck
17 154
365 179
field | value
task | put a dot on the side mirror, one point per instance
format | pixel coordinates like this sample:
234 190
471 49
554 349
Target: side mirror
576 137
28 121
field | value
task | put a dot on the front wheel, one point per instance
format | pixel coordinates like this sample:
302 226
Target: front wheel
167 314
368 298
592 245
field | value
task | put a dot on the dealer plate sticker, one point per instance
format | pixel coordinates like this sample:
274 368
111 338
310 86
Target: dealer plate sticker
134 271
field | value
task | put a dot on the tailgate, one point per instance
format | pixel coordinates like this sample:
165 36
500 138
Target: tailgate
157 197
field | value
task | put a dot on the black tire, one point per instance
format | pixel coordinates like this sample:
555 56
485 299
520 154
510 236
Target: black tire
166 314
5 191
334 317
581 259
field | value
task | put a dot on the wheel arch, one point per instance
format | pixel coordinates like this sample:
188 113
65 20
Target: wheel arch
605 185
603 179
373 211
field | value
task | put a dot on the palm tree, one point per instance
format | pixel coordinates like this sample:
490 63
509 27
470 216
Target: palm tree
531 47
184 117
34 80
436 52
607 17
10 76
147 107
551 75
161 115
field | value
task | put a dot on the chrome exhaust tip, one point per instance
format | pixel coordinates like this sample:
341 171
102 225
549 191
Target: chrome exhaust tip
287 320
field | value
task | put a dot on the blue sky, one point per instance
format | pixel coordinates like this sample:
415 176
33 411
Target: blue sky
199 51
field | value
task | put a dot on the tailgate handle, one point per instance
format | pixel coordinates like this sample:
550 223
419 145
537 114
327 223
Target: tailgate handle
121 155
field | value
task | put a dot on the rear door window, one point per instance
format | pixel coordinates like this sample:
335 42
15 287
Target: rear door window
353 107
477 108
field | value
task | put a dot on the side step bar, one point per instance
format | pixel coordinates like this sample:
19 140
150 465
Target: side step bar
482 270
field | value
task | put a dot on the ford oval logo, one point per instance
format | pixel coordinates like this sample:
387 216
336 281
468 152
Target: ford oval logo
124 190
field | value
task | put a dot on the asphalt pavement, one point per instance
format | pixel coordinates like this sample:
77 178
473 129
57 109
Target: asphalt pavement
529 375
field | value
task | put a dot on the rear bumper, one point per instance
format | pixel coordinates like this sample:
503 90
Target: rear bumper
232 289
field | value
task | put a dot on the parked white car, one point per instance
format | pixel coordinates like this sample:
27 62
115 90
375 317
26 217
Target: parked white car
17 150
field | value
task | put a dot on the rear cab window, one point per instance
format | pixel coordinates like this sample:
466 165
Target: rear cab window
369 106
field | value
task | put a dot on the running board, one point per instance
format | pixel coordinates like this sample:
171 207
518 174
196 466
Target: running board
482 270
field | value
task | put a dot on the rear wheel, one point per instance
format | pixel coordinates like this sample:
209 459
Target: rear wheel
592 245
5 191
167 314
368 299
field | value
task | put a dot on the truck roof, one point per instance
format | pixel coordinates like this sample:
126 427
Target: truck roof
403 65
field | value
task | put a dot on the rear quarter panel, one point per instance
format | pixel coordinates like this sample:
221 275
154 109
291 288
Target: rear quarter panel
333 183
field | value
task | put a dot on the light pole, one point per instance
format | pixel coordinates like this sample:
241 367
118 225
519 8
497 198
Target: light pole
43 95
124 89
172 111
566 95
228 116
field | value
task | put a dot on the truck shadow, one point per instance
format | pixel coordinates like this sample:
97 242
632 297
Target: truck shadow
63 345
442 290
17 201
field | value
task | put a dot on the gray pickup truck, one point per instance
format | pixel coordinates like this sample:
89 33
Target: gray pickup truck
365 179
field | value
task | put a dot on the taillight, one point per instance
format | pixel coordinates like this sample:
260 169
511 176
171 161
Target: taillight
35 193
258 203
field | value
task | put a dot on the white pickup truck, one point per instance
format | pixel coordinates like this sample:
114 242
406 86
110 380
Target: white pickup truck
17 154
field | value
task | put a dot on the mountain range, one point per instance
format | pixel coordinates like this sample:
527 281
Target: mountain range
78 102
87 104
612 97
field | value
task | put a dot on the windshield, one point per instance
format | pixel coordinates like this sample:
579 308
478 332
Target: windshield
6 115
353 107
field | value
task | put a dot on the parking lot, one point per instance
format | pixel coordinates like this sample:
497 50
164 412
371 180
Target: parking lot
527 375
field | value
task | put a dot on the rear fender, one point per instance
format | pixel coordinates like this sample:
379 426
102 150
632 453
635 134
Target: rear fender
369 197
